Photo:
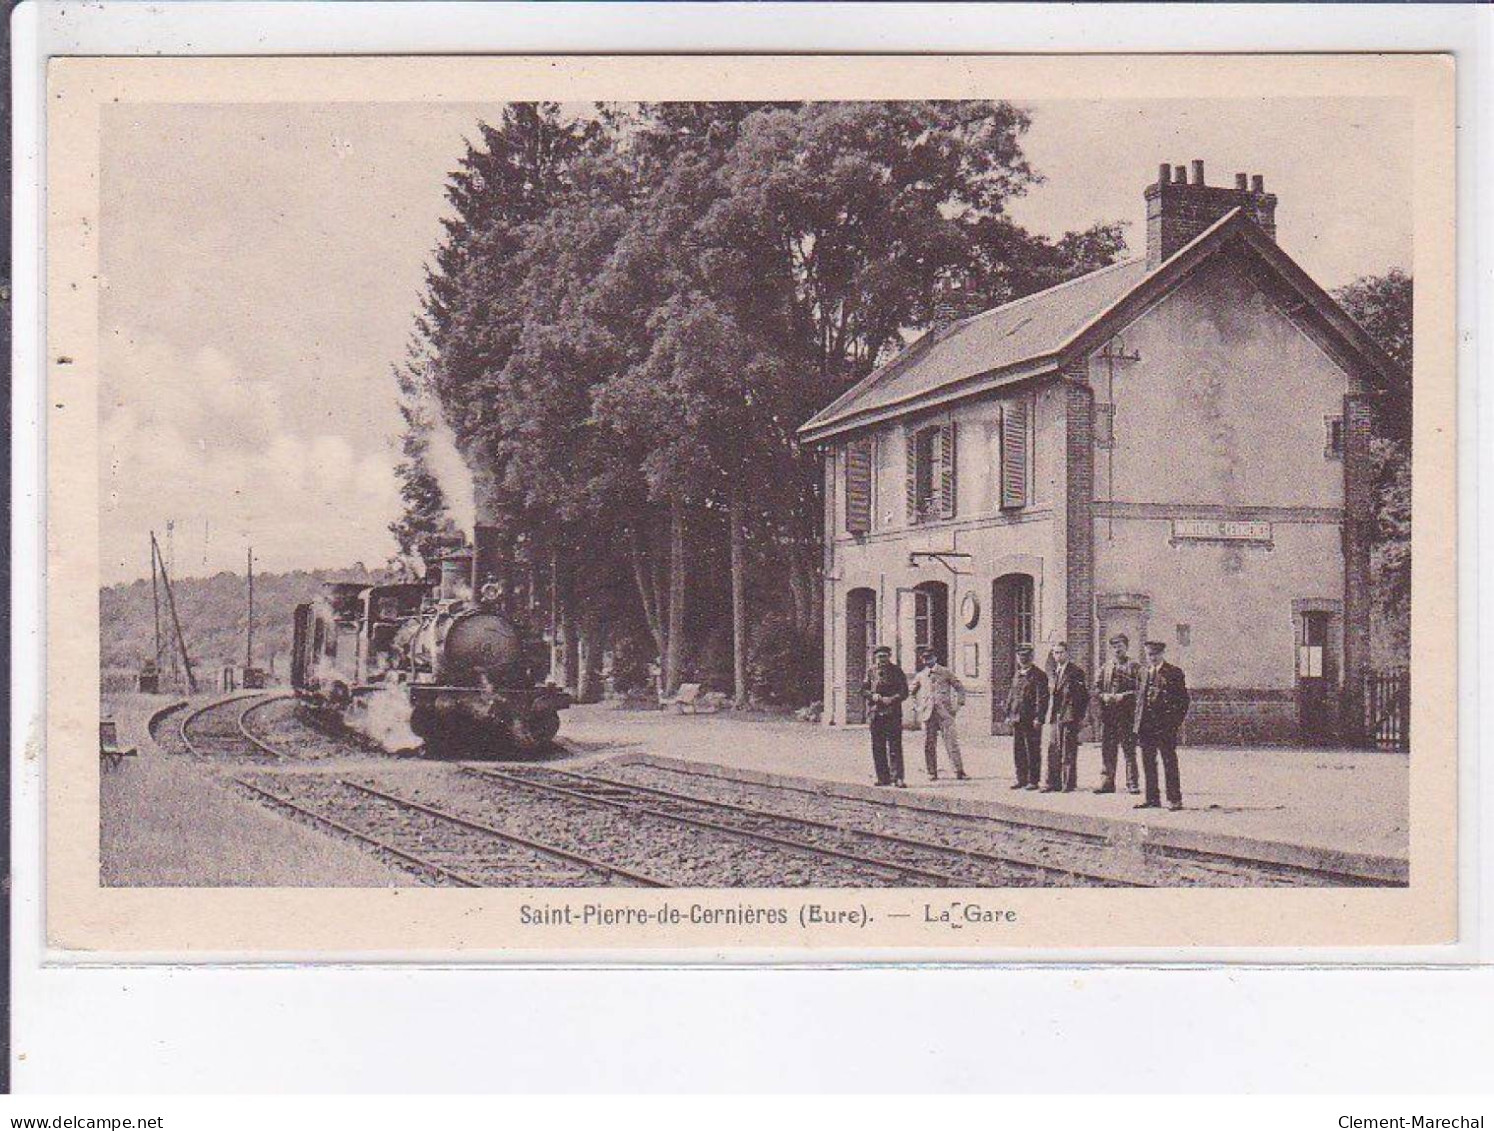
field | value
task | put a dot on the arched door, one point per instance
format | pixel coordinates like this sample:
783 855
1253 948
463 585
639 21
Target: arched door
861 638
1012 623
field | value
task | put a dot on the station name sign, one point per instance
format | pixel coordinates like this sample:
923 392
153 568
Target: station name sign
1219 530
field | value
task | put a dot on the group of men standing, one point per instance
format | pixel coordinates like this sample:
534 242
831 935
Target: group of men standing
1140 705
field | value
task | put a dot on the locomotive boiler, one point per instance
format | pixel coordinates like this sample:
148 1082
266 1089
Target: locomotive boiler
460 671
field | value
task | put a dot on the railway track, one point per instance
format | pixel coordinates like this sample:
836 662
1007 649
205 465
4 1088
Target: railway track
911 858
163 730
679 827
1165 865
220 729
448 847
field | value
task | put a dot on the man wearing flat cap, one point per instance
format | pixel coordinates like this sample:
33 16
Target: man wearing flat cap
1116 690
1026 707
885 688
1161 705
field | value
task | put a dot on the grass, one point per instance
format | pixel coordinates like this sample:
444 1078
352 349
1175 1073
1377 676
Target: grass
168 822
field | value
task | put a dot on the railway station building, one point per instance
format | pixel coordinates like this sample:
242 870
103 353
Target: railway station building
1175 447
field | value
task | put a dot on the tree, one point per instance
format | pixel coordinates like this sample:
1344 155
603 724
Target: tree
1010 262
833 225
632 312
1382 305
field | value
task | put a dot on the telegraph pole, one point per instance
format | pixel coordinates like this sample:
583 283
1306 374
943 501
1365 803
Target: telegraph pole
249 639
176 623
155 599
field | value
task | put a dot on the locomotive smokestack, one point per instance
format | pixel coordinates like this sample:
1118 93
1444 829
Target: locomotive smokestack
456 576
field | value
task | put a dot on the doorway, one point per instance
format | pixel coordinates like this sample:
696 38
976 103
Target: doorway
1122 616
861 638
1012 623
1317 679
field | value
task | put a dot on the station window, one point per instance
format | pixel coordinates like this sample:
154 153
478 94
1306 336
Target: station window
1333 437
931 473
925 455
1314 646
1022 625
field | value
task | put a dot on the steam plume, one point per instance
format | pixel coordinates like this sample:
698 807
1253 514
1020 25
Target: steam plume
386 720
452 473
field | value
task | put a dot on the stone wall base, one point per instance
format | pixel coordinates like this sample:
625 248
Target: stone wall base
1228 716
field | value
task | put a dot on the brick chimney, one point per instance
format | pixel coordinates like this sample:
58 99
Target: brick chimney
954 300
1179 208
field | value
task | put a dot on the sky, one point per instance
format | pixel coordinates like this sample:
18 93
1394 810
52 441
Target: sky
261 270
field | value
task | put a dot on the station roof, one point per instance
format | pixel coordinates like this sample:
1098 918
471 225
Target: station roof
1034 335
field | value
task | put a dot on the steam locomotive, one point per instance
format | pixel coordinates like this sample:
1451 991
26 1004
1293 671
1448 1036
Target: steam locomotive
463 668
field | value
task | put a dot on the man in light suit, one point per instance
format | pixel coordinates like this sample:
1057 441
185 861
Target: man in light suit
938 695
1070 703
1161 704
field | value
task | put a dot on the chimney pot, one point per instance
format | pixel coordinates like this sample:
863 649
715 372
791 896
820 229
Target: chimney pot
952 302
1177 216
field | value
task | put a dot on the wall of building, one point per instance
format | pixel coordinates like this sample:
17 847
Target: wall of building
1220 417
1234 599
1220 406
997 542
1226 404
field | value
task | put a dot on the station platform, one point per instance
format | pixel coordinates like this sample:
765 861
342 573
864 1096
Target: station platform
1333 801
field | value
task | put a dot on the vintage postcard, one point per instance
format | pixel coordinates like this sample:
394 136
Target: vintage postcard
521 508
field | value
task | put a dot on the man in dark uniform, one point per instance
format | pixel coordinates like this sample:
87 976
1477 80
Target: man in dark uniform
1026 707
1161 705
885 689
1070 703
1116 688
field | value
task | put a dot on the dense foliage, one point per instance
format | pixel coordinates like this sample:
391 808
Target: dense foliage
214 613
1382 305
631 311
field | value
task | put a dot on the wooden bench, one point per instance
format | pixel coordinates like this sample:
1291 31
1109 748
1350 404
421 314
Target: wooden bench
111 753
686 700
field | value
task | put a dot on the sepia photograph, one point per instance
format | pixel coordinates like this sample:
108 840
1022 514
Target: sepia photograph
896 508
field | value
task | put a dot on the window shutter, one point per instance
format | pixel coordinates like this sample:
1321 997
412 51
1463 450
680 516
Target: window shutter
913 515
858 486
947 470
1014 455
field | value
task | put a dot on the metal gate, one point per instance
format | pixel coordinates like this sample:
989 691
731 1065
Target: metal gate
1387 703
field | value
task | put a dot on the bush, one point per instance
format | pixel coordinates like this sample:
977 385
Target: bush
632 656
784 665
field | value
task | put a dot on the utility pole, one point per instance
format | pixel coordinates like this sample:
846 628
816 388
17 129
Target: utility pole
249 639
181 642
155 599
